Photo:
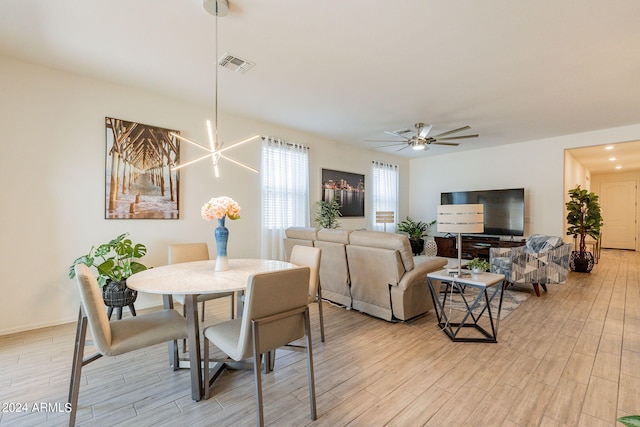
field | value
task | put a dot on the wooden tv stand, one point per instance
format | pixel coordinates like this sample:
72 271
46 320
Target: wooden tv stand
473 246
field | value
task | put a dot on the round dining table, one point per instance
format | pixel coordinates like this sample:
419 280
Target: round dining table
192 279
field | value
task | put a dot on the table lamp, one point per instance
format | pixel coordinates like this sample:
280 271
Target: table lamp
384 217
460 219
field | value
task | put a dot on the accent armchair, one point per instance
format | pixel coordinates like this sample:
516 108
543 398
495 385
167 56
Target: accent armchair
541 261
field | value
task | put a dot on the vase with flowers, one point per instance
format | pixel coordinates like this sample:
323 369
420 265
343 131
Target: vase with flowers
220 208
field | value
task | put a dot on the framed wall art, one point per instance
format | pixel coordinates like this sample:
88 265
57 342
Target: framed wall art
139 182
345 187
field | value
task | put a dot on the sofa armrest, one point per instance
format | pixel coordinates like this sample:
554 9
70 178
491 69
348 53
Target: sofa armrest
411 297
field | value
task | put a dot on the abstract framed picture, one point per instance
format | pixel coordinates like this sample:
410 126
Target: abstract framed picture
139 182
345 187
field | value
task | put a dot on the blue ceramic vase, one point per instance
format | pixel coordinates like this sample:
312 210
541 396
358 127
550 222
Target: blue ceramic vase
222 236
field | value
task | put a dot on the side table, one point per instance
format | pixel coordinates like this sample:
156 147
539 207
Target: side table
474 310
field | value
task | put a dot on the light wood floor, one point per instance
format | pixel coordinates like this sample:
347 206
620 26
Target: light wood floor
570 357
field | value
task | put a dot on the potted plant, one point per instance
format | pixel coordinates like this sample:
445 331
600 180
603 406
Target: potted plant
328 213
415 231
114 262
584 220
478 265
630 420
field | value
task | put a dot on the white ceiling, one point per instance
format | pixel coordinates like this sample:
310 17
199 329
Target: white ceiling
348 70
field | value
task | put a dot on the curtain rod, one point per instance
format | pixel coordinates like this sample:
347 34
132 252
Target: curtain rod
384 164
284 142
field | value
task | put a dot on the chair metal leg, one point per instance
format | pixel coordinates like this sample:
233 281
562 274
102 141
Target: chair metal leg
206 369
184 340
76 367
257 374
320 314
233 303
312 385
202 312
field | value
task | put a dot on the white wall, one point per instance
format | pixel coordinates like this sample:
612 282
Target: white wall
52 134
538 166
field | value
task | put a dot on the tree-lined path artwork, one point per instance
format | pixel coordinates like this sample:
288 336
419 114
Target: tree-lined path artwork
139 181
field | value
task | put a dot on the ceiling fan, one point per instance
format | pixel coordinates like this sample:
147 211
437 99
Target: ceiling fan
420 139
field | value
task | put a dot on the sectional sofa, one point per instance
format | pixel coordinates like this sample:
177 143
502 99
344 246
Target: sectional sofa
370 271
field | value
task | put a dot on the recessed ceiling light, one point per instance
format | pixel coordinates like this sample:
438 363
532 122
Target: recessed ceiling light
612 159
618 167
609 147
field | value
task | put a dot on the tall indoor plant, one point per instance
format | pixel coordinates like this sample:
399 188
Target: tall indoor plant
114 262
585 219
415 230
328 213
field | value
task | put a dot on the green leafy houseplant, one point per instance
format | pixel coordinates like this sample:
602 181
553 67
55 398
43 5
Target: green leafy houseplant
415 230
630 420
328 213
584 219
478 264
114 261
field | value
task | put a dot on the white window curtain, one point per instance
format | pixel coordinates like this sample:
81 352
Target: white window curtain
384 197
285 193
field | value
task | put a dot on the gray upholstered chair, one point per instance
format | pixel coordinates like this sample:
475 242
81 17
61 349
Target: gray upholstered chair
541 261
112 339
310 257
187 252
276 313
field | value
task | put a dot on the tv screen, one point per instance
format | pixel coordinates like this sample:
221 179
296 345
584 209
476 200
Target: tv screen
503 209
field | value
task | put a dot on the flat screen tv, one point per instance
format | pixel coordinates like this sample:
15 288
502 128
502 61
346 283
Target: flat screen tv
503 209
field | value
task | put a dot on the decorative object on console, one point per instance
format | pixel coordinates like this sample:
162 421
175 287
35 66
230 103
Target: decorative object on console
219 208
216 8
478 265
415 230
460 219
584 220
114 262
385 217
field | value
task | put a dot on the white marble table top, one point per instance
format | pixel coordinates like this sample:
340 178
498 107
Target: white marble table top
200 277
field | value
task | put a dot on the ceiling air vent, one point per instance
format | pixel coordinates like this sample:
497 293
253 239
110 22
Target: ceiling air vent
235 64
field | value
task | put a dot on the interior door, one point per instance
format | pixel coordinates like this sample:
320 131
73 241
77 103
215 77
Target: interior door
618 203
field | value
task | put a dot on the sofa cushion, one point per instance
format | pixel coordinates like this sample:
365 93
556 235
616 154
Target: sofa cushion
303 233
380 239
335 236
537 243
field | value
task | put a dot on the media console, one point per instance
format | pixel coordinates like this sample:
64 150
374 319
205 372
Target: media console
473 246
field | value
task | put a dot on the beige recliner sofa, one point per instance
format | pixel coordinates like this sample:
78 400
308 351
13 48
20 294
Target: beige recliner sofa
370 271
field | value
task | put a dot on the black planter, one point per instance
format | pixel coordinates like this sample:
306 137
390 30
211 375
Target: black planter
581 262
417 246
117 295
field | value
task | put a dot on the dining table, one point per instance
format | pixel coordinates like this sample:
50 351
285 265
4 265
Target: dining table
192 279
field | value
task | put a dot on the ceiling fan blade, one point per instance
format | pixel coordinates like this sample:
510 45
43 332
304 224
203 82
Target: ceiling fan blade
386 140
452 131
400 149
457 137
424 131
397 134
392 145
452 144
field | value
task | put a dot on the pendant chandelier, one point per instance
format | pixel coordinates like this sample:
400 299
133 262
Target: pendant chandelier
216 149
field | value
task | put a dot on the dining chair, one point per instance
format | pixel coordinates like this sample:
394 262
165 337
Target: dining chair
310 257
115 338
187 252
275 314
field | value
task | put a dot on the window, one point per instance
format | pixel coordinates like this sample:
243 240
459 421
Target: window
384 194
285 193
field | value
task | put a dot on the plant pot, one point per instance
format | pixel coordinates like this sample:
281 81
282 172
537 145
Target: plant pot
581 262
117 294
417 246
